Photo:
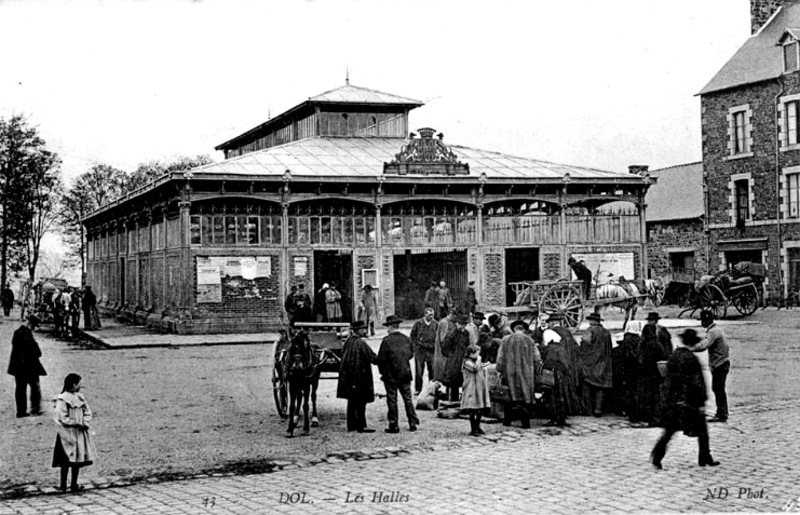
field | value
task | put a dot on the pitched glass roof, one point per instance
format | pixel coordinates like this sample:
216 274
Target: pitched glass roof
364 157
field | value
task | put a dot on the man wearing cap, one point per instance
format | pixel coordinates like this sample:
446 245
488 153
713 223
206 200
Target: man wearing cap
583 274
432 298
474 327
687 399
497 328
302 305
445 301
596 362
657 332
517 359
446 326
24 365
393 363
423 339
368 308
289 304
355 377
718 360
470 299
454 348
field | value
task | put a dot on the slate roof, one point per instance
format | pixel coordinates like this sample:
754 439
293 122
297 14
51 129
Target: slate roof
337 157
760 58
677 195
357 95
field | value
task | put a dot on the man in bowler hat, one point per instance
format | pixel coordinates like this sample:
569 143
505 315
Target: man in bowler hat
24 365
394 356
355 377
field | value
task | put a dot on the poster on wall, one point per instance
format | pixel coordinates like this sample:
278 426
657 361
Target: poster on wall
236 276
209 281
300 266
617 264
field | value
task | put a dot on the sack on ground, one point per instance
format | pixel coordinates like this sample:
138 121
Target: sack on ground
427 399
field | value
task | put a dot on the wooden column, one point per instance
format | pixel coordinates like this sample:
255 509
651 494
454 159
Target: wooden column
562 237
642 207
187 286
285 272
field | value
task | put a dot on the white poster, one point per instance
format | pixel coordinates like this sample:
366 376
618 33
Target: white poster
248 267
300 266
263 266
616 264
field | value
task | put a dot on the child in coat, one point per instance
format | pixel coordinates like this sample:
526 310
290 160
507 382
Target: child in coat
475 392
74 446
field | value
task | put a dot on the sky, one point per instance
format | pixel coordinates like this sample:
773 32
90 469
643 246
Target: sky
596 83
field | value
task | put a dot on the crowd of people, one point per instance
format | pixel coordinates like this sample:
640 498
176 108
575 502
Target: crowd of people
541 369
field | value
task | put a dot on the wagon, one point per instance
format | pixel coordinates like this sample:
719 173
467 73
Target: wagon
736 286
326 339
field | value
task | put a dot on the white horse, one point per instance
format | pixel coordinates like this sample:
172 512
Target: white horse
626 292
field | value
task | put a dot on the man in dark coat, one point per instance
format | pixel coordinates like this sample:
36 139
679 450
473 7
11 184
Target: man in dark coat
583 274
432 298
7 299
355 377
393 363
302 305
91 320
423 338
657 332
289 306
24 365
454 347
686 402
517 361
470 299
596 362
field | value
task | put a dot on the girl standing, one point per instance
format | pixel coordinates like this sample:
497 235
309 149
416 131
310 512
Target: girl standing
74 446
475 396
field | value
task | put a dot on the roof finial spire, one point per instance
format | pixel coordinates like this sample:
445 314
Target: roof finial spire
346 73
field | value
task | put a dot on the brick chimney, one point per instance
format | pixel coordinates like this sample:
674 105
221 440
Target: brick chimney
638 169
760 12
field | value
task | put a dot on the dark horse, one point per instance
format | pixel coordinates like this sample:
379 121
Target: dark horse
302 376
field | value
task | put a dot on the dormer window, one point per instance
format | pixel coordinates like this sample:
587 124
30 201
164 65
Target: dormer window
791 58
791 49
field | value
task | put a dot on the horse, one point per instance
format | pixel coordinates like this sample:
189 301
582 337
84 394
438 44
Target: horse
655 289
302 376
625 291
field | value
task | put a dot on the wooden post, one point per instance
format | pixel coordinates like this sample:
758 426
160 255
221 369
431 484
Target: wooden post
187 287
643 235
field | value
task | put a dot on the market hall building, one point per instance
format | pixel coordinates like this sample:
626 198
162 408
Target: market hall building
338 190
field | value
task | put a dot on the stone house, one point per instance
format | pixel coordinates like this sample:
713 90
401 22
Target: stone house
675 217
338 190
751 150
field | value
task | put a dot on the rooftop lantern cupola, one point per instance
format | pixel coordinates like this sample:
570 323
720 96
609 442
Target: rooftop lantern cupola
426 155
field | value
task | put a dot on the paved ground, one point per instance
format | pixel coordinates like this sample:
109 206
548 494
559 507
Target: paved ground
598 464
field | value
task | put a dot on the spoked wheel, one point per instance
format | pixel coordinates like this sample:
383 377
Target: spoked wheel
279 392
712 299
565 300
746 300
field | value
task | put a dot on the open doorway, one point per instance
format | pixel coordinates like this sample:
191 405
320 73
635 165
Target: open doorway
333 267
414 273
521 265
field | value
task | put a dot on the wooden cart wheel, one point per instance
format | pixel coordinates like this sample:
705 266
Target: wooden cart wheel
712 299
746 300
565 300
279 387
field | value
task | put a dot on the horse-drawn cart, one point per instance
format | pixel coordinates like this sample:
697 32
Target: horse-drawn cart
326 341
565 298
737 286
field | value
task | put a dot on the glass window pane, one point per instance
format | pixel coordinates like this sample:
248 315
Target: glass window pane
230 230
219 230
347 224
303 230
325 230
791 123
370 230
252 230
194 229
336 230
315 227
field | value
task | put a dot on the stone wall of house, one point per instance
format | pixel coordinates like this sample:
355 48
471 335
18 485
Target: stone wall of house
666 237
763 164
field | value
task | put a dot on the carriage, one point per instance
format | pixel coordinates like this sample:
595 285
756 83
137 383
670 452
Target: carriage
326 340
736 286
563 297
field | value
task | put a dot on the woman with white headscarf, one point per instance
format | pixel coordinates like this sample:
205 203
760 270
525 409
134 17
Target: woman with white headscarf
560 397
626 369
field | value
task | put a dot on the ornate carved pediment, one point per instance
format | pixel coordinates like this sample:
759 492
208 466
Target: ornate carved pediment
426 155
